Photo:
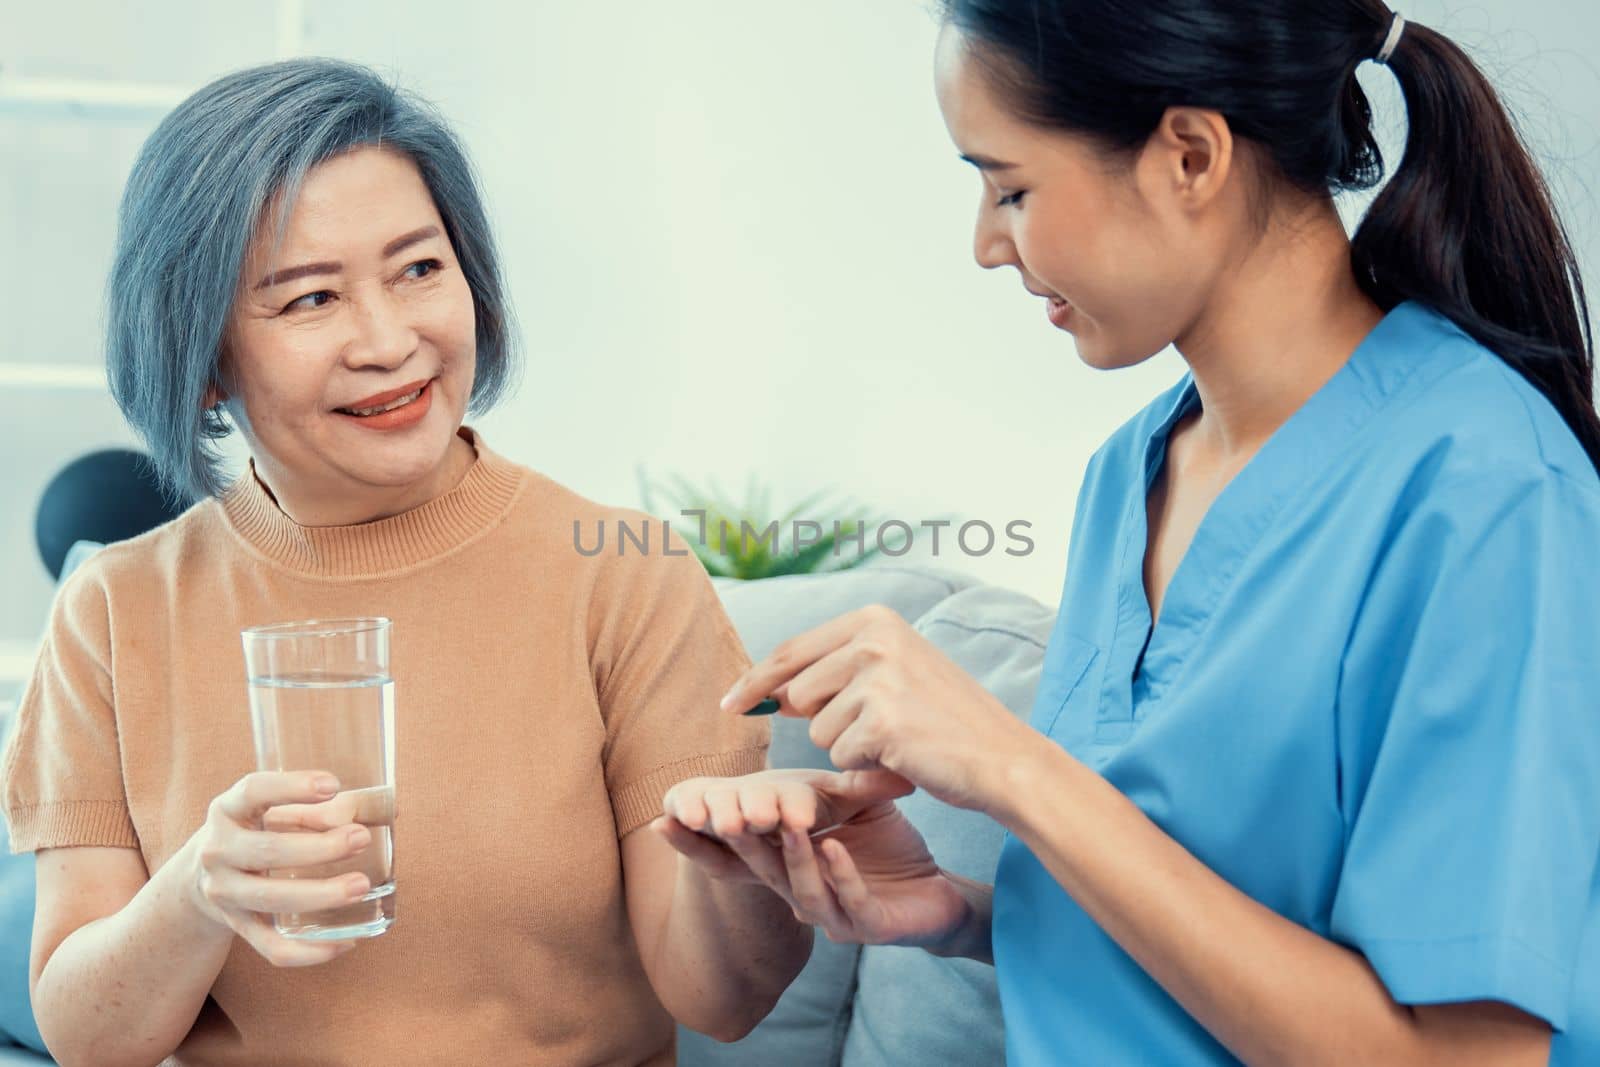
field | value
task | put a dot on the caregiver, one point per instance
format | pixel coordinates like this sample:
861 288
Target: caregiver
1313 773
303 254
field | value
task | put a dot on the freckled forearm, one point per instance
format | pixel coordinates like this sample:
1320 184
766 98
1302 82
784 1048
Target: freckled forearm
125 989
727 954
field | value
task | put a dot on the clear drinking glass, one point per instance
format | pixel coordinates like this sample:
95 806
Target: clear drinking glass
322 699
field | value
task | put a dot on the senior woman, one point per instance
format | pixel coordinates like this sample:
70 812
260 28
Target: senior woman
303 255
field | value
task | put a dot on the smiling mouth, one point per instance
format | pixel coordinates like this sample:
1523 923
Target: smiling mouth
397 402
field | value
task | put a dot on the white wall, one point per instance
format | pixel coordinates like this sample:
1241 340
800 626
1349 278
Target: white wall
737 238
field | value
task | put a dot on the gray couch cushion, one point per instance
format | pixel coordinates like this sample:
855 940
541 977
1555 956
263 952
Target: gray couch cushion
910 1007
807 1028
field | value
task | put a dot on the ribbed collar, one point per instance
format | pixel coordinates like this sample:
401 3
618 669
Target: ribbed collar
372 549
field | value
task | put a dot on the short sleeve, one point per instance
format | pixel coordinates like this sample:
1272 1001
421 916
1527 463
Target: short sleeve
62 764
664 653
1469 738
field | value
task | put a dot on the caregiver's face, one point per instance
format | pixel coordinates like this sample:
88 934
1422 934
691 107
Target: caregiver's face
350 355
1087 233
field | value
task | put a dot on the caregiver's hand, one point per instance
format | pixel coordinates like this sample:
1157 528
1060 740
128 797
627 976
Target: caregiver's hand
880 695
870 878
272 821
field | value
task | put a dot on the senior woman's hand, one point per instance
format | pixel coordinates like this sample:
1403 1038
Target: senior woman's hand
833 845
274 821
880 695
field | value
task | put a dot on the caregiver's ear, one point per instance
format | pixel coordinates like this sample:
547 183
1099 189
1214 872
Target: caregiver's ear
1191 153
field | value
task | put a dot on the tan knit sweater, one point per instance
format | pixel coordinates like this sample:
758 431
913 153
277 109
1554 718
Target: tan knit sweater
546 700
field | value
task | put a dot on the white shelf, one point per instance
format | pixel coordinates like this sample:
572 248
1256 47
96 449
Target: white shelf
98 98
53 376
81 97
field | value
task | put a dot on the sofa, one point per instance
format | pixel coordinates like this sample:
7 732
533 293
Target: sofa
857 1006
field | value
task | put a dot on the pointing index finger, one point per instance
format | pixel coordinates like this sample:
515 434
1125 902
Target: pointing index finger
751 694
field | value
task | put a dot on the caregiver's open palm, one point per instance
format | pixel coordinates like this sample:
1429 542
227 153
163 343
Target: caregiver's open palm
866 876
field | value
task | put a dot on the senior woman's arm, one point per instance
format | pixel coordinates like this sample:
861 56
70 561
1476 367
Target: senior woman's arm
123 961
719 955
121 964
662 651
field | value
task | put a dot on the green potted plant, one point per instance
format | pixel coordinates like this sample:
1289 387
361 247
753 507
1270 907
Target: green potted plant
737 540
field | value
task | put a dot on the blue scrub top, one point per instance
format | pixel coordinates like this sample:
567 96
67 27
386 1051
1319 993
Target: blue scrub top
1371 702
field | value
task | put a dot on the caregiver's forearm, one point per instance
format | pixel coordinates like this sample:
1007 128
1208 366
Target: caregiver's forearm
126 989
1269 989
727 954
972 939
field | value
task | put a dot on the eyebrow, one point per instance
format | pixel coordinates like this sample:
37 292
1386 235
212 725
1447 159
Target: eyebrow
304 270
985 163
289 274
406 240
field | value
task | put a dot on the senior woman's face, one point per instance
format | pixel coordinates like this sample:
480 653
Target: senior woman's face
351 350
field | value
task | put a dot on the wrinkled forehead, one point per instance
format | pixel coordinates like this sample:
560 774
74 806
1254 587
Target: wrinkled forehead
345 202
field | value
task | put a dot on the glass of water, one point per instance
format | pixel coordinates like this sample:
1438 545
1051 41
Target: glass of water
322 699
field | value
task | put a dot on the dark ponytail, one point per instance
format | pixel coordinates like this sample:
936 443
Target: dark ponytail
1466 226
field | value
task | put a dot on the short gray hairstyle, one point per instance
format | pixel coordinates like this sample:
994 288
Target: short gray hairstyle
199 190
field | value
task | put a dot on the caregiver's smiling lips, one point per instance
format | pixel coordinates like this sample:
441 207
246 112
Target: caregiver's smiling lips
1059 310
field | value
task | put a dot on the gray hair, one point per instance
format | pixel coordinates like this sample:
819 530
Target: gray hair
199 189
